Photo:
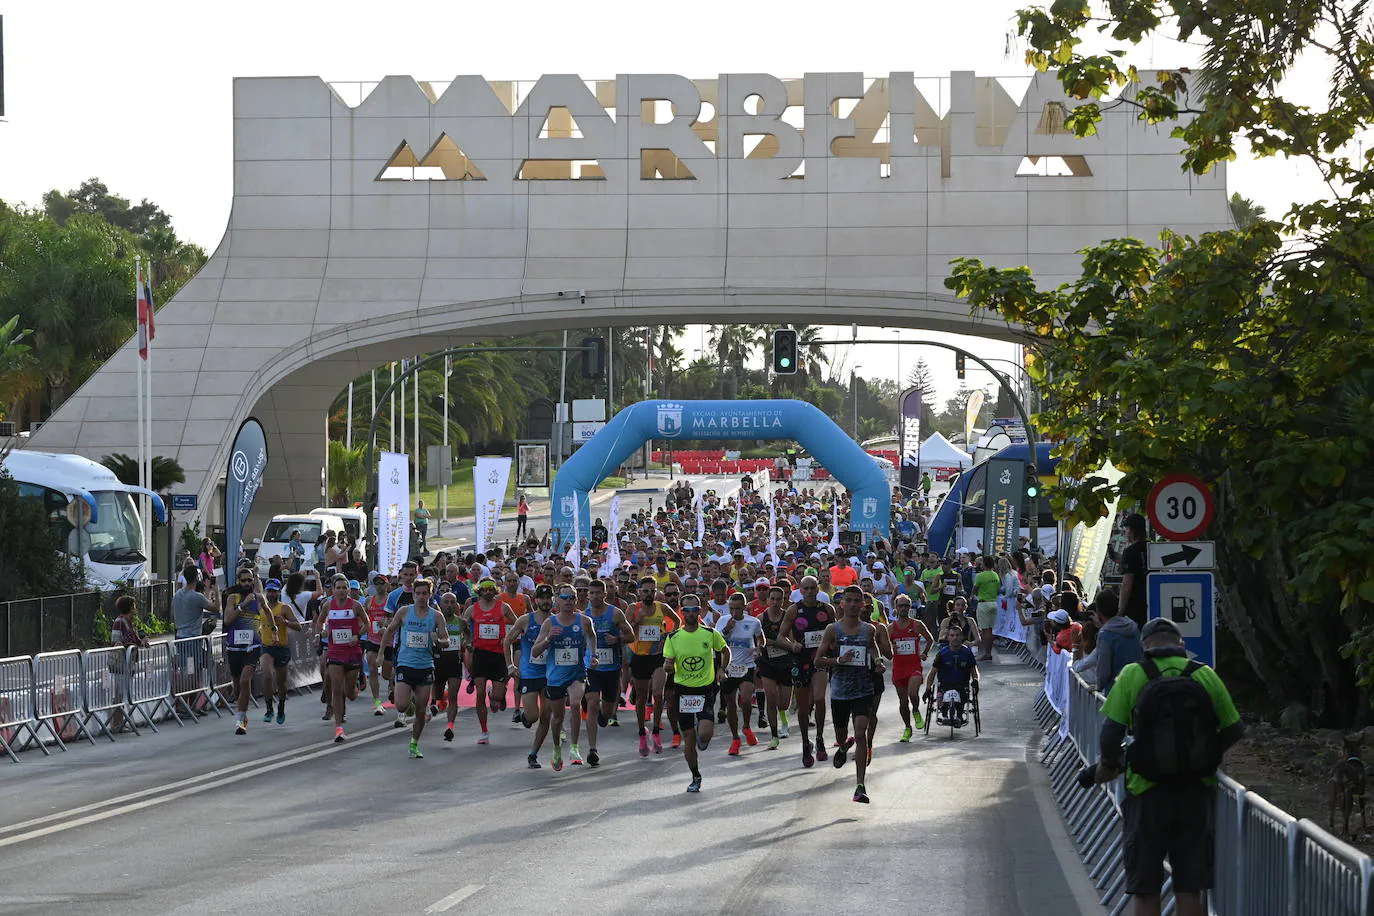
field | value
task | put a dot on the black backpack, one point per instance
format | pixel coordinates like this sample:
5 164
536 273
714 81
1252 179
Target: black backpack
1174 728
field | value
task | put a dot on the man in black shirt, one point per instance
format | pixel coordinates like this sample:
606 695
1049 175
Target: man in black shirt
1133 570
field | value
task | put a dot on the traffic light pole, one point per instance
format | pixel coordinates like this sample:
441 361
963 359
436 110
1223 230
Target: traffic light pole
1006 386
371 505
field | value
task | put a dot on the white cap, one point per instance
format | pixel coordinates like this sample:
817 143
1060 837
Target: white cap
762 580
1059 616
879 565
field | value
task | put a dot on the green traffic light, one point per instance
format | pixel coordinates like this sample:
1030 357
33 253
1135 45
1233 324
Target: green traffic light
785 363
1032 491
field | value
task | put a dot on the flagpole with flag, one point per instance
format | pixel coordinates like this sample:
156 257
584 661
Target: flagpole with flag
148 319
141 323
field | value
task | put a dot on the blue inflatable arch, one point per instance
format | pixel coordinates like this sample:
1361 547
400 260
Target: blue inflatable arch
629 429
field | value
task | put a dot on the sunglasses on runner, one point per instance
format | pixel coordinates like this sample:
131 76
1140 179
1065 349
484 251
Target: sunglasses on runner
566 596
671 594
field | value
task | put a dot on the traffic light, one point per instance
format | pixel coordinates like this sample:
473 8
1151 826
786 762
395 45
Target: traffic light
594 357
784 351
1032 482
959 365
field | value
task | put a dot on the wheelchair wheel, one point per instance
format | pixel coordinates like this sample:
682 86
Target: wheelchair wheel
930 714
977 716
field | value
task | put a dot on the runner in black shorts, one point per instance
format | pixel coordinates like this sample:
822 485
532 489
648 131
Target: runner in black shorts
775 666
804 625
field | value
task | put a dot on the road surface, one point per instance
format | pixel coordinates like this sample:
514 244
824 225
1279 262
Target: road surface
195 820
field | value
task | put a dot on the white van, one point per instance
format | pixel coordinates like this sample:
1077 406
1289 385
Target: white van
277 536
355 523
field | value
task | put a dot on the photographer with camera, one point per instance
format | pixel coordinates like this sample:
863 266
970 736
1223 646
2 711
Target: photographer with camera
1181 720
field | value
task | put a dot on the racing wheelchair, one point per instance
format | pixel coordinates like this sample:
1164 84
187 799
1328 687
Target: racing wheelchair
944 707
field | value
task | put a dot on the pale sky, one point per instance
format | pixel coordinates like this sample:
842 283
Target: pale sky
139 93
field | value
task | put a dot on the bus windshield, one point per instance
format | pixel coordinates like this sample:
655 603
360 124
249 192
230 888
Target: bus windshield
115 534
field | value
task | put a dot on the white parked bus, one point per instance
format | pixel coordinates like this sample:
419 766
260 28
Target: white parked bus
96 515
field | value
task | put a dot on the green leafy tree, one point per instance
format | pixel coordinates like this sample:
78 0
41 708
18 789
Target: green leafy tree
33 562
1242 355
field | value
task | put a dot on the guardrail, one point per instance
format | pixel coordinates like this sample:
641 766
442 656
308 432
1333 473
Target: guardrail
52 698
1268 863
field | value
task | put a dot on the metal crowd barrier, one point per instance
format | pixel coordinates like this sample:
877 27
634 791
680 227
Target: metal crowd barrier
104 677
58 700
192 690
17 724
150 683
56 697
1268 863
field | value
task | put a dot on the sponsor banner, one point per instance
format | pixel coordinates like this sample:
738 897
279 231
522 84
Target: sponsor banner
909 430
975 404
393 511
490 475
247 462
1013 427
1002 505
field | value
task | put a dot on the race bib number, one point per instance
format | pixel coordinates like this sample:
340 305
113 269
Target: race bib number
341 637
417 641
564 658
812 639
949 589
541 659
242 638
854 656
691 703
605 657
906 646
775 652
376 628
736 670
489 631
649 634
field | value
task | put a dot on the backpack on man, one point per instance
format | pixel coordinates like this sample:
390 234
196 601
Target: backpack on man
1174 727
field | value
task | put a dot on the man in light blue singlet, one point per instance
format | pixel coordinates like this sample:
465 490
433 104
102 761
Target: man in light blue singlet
419 628
566 637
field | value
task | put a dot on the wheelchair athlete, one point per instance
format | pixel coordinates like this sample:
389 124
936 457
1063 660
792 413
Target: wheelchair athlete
955 675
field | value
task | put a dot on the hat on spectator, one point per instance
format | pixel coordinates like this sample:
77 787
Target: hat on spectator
1062 616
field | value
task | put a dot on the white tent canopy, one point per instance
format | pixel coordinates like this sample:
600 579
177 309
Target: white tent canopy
939 452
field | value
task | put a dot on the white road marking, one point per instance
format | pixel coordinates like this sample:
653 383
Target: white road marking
195 786
454 898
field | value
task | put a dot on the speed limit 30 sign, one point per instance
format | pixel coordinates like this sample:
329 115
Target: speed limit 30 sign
1180 507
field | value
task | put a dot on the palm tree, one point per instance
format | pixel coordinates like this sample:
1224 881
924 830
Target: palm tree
1245 211
487 398
166 472
347 473
16 363
734 345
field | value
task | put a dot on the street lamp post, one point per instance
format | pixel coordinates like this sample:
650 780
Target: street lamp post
854 393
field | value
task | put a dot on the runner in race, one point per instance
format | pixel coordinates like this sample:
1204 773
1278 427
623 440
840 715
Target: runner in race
487 619
744 637
448 668
694 657
648 620
804 625
775 665
911 645
276 648
532 668
849 648
613 633
242 642
566 637
340 627
401 596
418 627
377 618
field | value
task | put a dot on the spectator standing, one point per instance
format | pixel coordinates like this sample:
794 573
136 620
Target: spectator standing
1133 567
1168 809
